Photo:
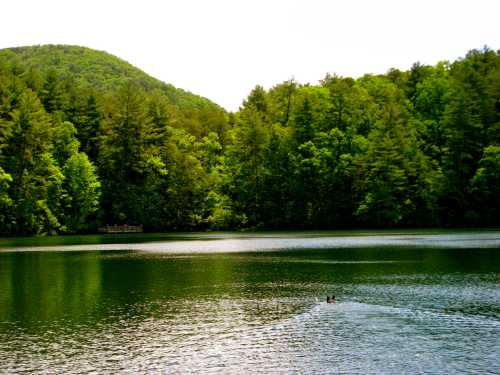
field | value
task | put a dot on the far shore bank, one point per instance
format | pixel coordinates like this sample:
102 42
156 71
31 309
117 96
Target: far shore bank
207 242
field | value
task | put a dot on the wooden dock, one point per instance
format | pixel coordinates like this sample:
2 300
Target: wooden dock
125 228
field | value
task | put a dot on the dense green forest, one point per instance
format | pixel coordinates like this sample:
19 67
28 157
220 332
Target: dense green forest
86 140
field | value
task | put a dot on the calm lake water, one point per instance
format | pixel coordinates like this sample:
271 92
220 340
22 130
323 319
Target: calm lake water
420 302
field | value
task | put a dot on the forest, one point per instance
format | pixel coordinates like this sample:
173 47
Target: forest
87 140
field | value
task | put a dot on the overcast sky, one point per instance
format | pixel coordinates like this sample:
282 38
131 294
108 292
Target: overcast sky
221 49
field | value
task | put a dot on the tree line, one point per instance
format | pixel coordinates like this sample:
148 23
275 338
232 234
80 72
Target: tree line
406 148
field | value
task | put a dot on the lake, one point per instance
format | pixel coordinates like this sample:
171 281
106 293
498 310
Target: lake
407 302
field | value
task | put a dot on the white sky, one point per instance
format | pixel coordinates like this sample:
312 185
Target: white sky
221 49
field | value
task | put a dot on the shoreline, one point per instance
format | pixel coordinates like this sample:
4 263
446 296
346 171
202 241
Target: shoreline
233 242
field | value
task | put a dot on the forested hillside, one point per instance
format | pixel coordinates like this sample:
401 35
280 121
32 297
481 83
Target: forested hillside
86 139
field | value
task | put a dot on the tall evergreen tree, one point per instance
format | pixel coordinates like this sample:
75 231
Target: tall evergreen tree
29 161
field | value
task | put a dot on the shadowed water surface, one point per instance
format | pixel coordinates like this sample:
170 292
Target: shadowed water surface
225 303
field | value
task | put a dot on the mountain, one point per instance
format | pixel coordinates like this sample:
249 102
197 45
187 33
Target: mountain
86 139
97 69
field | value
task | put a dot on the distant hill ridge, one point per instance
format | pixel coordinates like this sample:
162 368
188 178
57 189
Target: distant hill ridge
98 69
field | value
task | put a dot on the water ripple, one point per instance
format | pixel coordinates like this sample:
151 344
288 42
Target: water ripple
297 336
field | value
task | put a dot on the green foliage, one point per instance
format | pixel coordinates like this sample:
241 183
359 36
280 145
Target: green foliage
248 155
91 68
65 143
87 140
396 180
486 186
28 160
5 201
83 191
127 163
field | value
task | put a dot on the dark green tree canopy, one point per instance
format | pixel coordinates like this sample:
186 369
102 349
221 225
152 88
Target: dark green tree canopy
86 140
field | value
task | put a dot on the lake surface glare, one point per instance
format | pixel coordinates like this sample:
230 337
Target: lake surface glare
252 303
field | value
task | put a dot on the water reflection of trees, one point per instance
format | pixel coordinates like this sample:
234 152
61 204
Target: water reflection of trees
39 287
42 287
